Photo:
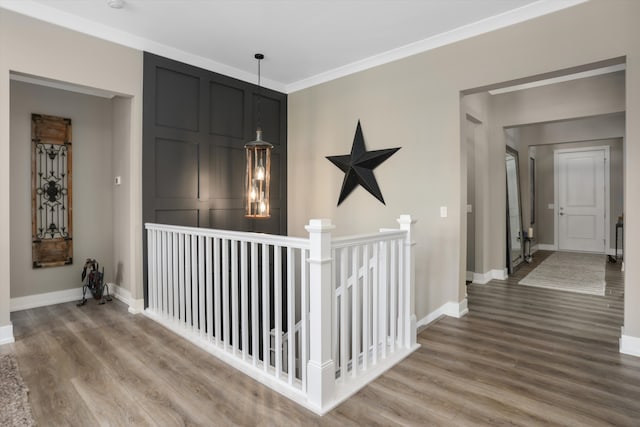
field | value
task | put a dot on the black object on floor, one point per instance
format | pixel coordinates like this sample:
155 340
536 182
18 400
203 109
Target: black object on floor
94 283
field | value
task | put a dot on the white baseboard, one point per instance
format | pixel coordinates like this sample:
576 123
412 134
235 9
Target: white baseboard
545 247
629 345
484 278
135 305
44 299
6 334
451 309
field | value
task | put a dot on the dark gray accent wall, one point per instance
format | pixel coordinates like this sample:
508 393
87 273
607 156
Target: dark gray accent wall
195 125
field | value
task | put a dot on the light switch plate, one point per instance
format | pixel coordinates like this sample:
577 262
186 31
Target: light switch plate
443 211
118 180
550 206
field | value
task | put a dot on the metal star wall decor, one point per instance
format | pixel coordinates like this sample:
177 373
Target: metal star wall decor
359 165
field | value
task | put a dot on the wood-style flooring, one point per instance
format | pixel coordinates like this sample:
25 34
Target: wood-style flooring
522 356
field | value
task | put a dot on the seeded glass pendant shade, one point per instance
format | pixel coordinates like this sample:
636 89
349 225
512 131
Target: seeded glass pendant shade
258 174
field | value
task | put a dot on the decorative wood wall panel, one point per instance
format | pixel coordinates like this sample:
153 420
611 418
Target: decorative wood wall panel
51 191
195 125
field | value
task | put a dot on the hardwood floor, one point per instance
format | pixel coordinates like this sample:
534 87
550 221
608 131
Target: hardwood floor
522 356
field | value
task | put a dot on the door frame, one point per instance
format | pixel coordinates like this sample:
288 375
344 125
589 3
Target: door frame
607 192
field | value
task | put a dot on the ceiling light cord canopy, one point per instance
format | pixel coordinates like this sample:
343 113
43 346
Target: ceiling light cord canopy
258 174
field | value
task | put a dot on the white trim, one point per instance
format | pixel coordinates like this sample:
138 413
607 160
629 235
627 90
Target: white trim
629 345
484 278
469 276
135 305
521 14
560 79
607 190
6 334
545 247
451 309
73 22
56 16
44 299
70 87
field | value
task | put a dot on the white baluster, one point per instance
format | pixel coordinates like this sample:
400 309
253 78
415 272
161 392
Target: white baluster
401 291
393 291
255 313
266 309
365 306
355 311
164 273
181 285
375 312
291 315
277 304
201 285
187 273
194 283
235 286
225 294
209 288
345 318
174 281
217 290
244 303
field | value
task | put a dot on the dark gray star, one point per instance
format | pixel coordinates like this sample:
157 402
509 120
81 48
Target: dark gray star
359 165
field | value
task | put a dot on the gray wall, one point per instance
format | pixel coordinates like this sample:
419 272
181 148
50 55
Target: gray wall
88 62
91 119
415 103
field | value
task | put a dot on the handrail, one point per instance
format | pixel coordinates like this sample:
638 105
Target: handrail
243 236
343 242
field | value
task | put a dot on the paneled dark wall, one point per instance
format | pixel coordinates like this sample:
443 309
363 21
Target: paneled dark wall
195 125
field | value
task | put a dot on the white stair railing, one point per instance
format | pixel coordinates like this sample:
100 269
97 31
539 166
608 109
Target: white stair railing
315 319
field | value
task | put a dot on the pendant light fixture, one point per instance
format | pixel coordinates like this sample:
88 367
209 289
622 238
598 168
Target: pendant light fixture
258 174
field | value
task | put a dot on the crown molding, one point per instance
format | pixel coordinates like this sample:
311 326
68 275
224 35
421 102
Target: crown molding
82 25
515 16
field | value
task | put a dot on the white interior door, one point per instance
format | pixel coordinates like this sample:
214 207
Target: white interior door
581 200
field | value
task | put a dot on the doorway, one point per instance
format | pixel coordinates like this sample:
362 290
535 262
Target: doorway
582 189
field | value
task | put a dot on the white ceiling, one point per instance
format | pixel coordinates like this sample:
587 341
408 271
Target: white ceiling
305 42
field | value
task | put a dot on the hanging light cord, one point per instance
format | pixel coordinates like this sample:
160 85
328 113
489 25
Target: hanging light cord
259 57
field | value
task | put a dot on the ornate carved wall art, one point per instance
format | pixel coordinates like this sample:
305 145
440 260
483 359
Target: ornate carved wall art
51 191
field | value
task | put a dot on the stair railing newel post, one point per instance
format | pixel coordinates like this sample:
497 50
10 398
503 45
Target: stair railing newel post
321 367
407 224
